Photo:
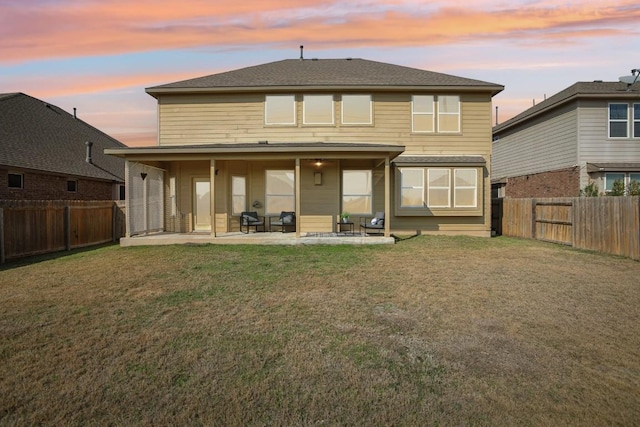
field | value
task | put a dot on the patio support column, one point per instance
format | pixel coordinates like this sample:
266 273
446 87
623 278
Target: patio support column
128 215
387 196
297 181
212 195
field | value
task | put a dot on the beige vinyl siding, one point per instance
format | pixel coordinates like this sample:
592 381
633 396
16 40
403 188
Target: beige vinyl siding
548 143
209 119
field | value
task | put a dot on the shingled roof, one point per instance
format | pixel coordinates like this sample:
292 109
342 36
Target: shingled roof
325 73
596 89
39 136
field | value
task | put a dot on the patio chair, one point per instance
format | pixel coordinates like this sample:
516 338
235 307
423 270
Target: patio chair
251 219
284 221
375 224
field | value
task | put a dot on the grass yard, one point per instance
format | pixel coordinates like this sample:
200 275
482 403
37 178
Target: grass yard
430 331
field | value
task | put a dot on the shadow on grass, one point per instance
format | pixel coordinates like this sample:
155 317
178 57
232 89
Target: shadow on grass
34 259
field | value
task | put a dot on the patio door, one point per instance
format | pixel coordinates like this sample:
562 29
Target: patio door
201 204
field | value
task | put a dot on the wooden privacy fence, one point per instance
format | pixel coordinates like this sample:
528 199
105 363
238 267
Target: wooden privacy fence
29 227
603 224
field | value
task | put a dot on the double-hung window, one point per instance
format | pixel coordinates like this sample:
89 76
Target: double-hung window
448 114
318 110
422 113
280 191
238 194
465 188
618 120
356 110
280 110
411 187
636 120
610 178
439 190
357 192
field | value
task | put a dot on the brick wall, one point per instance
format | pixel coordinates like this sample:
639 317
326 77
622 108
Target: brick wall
38 186
560 183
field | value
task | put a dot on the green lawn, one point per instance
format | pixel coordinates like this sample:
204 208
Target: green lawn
430 331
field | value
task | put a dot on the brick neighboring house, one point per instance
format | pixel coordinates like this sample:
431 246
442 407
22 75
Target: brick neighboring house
587 133
44 154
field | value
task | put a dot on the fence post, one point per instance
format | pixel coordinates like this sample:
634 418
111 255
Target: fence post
1 236
533 218
67 227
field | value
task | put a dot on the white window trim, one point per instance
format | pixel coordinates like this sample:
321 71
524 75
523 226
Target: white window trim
357 123
610 120
440 113
475 189
366 195
304 111
634 120
429 187
423 113
244 194
266 115
403 187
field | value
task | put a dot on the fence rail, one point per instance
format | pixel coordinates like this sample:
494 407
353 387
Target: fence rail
604 224
29 227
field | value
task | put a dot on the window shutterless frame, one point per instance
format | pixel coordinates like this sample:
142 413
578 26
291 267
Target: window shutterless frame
357 110
280 110
618 120
15 180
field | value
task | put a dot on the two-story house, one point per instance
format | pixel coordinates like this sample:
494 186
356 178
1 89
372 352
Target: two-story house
587 133
317 137
47 153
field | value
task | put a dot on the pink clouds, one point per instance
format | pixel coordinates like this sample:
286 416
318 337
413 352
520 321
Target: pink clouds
71 28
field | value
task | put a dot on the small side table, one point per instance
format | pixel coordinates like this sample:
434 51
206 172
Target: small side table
345 225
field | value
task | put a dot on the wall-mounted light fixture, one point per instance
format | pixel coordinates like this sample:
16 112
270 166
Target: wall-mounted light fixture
317 178
318 163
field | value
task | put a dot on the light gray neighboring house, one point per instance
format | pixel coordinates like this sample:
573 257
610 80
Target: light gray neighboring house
589 132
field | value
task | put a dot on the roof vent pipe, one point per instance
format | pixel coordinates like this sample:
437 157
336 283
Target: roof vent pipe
301 52
74 113
89 144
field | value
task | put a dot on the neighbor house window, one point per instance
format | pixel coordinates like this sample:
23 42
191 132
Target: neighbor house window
610 178
357 191
280 191
356 110
618 120
422 113
634 177
72 186
412 187
280 110
16 180
465 188
318 110
636 120
439 188
238 194
448 113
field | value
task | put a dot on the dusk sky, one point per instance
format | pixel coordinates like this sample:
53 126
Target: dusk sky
100 55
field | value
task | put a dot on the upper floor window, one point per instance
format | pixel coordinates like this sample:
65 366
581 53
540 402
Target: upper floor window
422 113
356 110
72 185
357 191
280 110
448 113
318 110
618 120
636 120
16 180
432 114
